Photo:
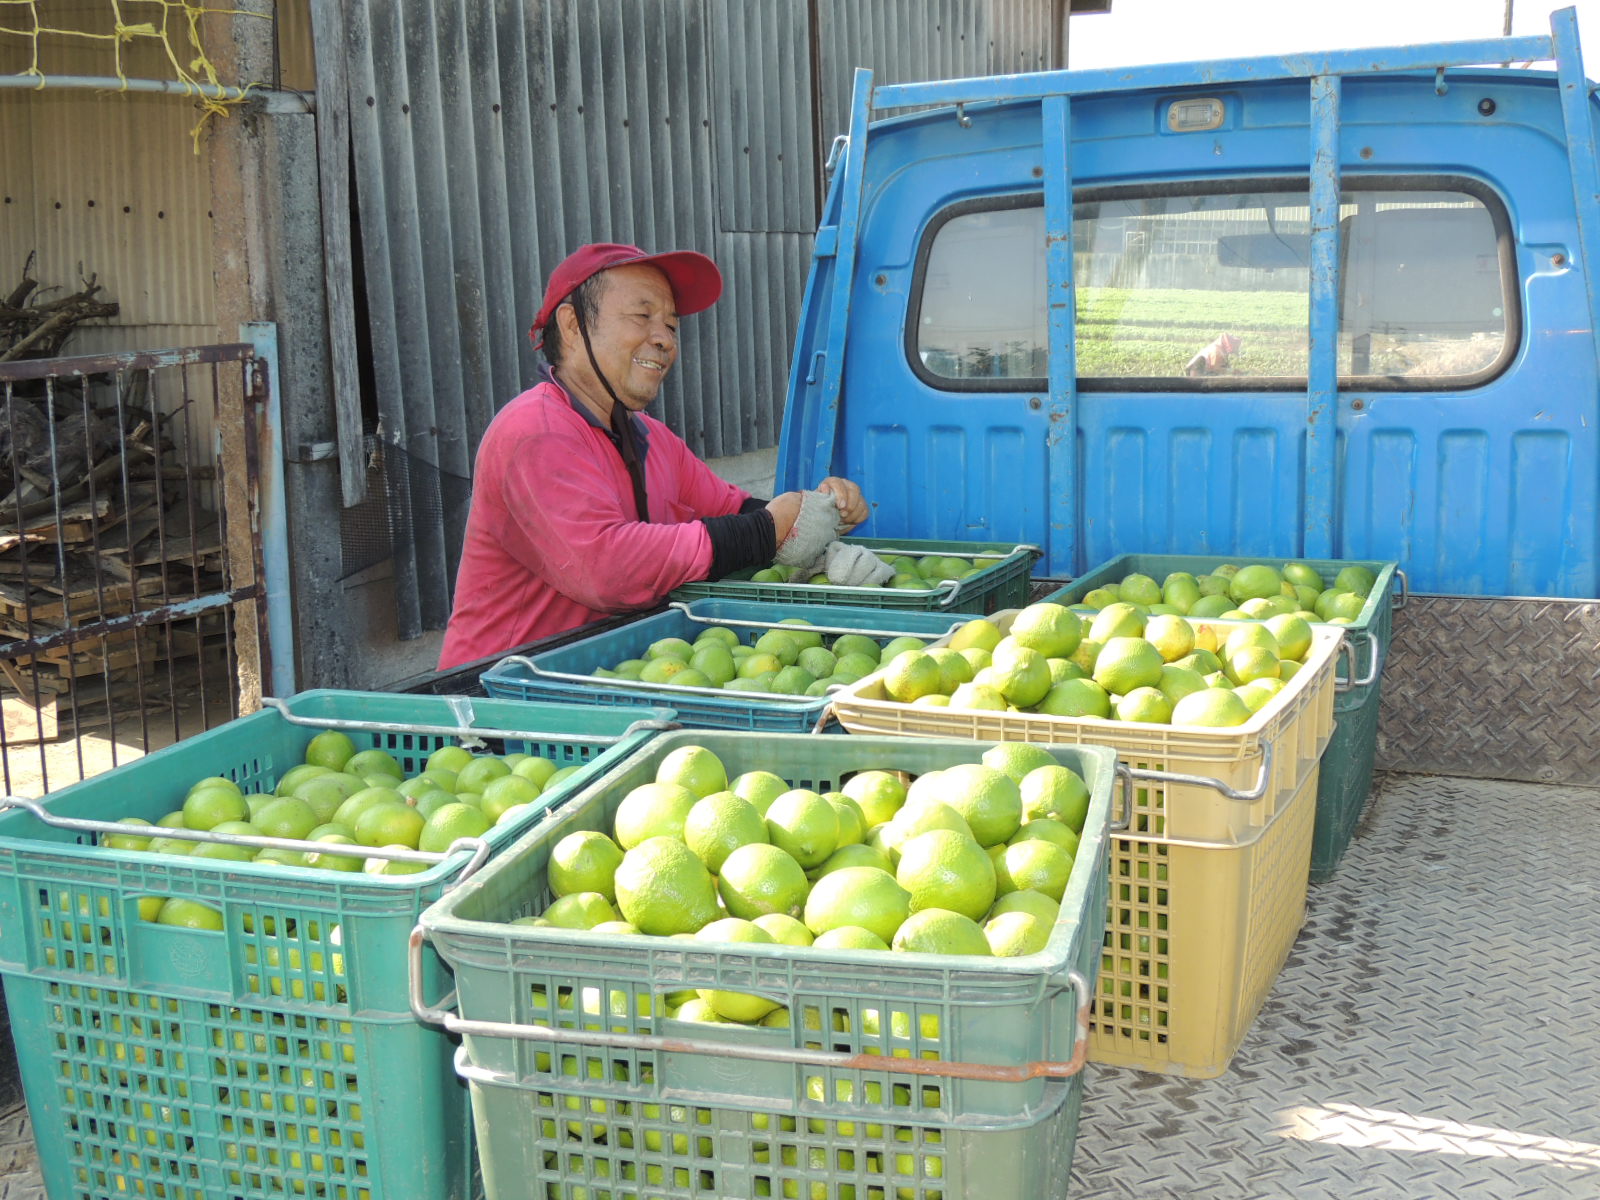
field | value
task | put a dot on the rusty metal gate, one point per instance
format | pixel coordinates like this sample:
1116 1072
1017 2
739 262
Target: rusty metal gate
133 605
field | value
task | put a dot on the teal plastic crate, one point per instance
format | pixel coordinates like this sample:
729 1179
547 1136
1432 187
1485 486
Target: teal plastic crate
1368 634
563 674
844 1004
551 1143
1346 778
1002 583
275 1057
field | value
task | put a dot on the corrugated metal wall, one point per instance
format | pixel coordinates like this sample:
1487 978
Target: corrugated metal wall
491 139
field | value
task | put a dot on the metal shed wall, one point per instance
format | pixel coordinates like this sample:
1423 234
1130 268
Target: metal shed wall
490 139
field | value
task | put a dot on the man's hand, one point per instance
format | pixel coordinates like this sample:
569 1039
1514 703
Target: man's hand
847 497
784 509
810 532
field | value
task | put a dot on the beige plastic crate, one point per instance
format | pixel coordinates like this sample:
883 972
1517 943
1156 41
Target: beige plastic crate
1231 783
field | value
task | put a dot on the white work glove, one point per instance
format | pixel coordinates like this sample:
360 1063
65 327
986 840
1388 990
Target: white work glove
854 566
814 528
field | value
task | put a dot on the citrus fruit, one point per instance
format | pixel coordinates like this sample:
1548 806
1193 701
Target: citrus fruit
350 811
1048 829
289 817
385 824
1013 934
979 696
735 1006
719 824
1016 759
328 860
1251 662
1214 707
879 793
210 806
857 855
535 770
501 795
849 937
663 888
1139 589
852 821
1076 698
1114 621
1020 672
325 794
214 781
1359 580
652 810
585 861
817 661
1027 901
331 749
223 851
1126 663
940 931
189 914
946 869
1177 682
1144 705
1052 629
759 878
1173 637
784 929
1256 580
864 896
805 825
1254 636
714 662
1180 591
448 823
374 762
393 866
1302 575
1057 793
953 669
480 773
979 633
127 841
448 758
911 675
1098 598
987 799
1035 864
760 788
695 768
669 647
579 910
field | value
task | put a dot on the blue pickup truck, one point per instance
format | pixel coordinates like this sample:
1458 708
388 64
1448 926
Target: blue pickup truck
1337 305
1332 306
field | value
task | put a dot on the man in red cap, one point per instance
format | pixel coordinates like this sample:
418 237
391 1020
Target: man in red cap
582 505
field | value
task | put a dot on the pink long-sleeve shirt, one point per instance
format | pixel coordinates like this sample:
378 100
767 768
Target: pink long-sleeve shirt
552 540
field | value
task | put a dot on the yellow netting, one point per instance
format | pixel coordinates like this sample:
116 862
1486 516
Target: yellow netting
119 29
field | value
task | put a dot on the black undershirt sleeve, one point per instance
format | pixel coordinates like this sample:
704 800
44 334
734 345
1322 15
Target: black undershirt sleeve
752 505
747 538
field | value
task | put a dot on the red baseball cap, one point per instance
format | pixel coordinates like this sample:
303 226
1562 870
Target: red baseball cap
696 283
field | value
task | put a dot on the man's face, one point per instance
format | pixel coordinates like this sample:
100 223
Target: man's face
634 335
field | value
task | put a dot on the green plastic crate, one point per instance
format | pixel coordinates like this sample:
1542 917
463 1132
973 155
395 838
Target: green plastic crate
275 1057
1346 778
962 1010
1003 583
555 1144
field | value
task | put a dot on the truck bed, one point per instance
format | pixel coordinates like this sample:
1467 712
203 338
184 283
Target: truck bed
1433 1036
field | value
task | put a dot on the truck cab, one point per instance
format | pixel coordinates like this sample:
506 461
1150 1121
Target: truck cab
1330 306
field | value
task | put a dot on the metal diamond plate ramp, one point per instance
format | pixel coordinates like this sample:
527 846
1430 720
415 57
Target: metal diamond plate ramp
19 1167
1494 688
1433 1036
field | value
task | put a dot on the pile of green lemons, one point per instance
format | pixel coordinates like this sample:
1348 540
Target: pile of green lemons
971 859
792 660
341 797
1122 663
914 574
1254 591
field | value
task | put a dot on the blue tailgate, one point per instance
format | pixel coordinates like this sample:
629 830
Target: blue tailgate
1417 380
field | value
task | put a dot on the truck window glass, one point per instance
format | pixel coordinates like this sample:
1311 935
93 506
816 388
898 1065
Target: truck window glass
1186 290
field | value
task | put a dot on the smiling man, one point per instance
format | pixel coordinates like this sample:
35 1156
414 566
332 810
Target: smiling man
582 505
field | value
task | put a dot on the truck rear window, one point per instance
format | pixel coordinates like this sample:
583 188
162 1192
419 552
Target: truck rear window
1210 289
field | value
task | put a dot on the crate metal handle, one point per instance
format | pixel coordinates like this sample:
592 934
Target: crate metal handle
1348 651
785 701
466 731
1255 793
1405 588
478 847
438 1014
808 628
995 554
961 585
1125 774
1374 669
